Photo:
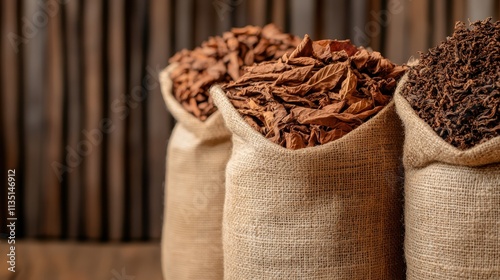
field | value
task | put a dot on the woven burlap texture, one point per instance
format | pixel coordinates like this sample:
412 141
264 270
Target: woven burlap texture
197 154
452 203
328 212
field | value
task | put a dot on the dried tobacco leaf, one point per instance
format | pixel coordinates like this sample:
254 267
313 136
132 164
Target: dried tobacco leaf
455 87
220 59
319 93
327 77
348 86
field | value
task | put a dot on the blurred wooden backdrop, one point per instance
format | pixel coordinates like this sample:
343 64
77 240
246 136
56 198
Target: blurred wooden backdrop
82 119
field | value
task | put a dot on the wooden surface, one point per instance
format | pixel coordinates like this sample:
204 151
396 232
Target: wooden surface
83 261
78 63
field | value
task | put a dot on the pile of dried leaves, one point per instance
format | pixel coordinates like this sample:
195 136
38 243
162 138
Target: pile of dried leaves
220 59
318 93
455 86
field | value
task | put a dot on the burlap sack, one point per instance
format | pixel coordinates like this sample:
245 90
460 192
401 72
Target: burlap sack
452 204
197 154
327 212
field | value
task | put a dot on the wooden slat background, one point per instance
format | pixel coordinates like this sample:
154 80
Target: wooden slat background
70 66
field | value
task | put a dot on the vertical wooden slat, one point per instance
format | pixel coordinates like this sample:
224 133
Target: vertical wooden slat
458 14
498 11
480 10
257 12
92 49
334 19
9 89
135 151
51 185
419 27
204 26
158 121
302 17
279 13
116 138
3 135
74 213
3 44
236 13
357 23
440 20
224 14
397 35
183 24
33 77
375 24
459 7
9 98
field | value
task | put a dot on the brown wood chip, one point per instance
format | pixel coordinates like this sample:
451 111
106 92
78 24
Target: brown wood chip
221 59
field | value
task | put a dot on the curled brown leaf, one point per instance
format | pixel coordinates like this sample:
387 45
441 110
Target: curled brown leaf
317 94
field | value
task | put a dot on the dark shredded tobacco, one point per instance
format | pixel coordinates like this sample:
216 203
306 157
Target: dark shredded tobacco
220 59
317 94
455 86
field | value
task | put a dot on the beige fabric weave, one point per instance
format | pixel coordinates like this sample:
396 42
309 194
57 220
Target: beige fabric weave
197 154
452 204
328 212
